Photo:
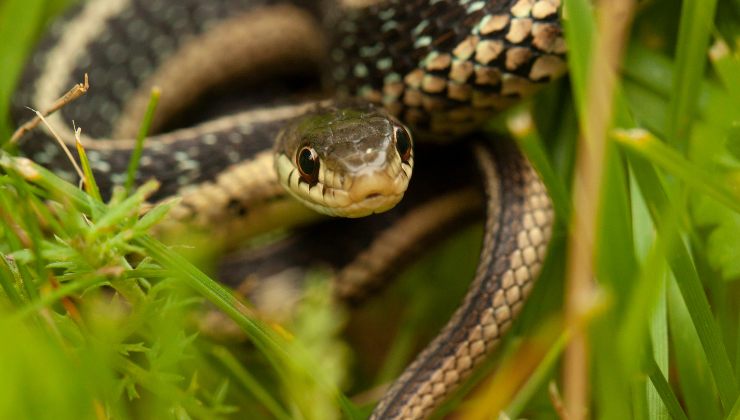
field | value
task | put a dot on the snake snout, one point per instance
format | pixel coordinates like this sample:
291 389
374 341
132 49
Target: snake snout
370 186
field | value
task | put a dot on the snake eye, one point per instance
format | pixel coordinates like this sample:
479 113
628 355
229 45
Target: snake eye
307 161
403 143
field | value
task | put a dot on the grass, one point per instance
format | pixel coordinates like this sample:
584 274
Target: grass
659 323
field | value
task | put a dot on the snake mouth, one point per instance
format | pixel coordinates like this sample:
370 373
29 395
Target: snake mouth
378 203
370 193
342 195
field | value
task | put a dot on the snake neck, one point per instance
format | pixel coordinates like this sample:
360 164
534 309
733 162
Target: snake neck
443 67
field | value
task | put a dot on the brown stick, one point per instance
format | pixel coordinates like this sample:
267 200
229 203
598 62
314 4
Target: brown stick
614 20
71 95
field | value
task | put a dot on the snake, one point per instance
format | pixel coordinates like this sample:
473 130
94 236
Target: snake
376 249
437 69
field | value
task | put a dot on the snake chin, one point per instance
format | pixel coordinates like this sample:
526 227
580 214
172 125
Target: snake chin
370 205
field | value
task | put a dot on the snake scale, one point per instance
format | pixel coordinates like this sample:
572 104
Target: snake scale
442 67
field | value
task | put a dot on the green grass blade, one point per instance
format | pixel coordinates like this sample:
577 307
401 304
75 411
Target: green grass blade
666 394
697 17
649 147
91 186
688 280
579 30
146 123
249 382
57 294
123 210
529 142
266 340
659 337
700 395
537 378
19 22
616 265
726 63
8 281
735 412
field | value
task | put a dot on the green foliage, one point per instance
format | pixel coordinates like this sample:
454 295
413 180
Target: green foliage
135 317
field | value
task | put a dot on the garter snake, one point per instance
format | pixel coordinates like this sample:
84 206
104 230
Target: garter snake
440 66
505 191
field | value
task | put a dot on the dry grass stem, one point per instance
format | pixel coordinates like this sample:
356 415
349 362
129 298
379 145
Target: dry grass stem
59 140
71 95
613 22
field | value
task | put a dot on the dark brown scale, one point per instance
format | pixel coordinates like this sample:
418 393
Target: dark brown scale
445 41
448 24
237 208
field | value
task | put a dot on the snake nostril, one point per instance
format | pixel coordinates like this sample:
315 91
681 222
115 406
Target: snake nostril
372 195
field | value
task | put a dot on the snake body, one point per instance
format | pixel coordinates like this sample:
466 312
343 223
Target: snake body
440 66
518 217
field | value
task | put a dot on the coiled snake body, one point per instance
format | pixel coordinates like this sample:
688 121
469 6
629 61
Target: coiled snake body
440 66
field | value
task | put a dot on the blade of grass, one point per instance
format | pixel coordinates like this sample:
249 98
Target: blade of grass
579 30
649 147
249 382
726 62
13 215
122 210
19 22
688 281
651 257
735 413
700 395
146 123
659 338
91 187
539 377
697 17
59 293
664 391
8 282
516 371
522 128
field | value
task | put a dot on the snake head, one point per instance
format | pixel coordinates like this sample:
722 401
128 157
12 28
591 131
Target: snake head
348 161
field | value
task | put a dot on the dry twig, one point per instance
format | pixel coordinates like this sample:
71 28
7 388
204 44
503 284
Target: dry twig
613 23
71 95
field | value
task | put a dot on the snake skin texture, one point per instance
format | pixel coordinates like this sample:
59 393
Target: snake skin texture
517 231
443 67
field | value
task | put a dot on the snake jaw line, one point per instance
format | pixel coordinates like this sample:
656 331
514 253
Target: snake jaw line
356 196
